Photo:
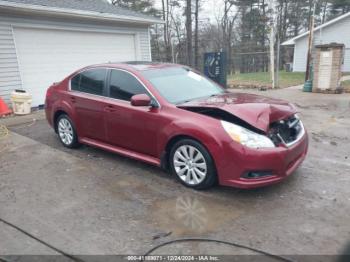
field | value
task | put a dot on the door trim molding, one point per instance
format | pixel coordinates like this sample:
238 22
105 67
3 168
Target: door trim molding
121 151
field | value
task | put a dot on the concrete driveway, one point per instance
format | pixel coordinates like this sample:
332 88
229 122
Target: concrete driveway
88 201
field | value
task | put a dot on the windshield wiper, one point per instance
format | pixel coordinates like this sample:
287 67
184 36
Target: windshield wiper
184 102
189 100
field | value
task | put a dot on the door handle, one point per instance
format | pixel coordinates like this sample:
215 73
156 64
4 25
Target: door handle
73 99
109 108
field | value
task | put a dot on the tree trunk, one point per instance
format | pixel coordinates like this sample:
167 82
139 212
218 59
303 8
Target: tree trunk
189 32
263 39
178 36
196 40
165 27
324 12
157 43
167 44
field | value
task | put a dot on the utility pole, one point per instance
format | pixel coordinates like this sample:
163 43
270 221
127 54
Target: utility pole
310 47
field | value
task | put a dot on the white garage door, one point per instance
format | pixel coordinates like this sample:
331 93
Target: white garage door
46 56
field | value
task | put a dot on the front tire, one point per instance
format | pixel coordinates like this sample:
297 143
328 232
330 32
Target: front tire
192 164
66 131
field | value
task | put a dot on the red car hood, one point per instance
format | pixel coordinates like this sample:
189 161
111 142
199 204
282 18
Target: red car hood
258 111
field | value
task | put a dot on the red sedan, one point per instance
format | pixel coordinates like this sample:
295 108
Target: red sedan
171 116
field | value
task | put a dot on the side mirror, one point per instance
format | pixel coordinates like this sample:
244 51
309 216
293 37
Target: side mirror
141 100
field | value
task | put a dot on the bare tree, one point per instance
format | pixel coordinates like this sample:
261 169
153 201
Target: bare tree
177 24
227 24
242 29
196 35
167 35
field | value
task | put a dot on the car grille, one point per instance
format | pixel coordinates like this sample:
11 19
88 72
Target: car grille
287 131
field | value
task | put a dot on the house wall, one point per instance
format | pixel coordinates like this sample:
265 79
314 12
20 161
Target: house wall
10 76
9 73
337 32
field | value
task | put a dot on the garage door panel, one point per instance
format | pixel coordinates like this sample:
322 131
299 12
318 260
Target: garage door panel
47 56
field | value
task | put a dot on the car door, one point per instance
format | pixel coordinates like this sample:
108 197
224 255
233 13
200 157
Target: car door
87 96
128 126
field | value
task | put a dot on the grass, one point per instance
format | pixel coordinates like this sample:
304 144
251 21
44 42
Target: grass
262 79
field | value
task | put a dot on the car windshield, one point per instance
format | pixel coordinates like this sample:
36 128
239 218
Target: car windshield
179 85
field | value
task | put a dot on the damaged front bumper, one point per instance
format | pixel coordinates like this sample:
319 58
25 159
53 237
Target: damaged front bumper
261 167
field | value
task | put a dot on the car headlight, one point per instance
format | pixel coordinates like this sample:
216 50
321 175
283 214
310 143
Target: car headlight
246 137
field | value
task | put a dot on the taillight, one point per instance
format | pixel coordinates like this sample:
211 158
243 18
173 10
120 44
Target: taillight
49 91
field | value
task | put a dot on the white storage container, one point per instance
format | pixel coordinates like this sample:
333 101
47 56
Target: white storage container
21 102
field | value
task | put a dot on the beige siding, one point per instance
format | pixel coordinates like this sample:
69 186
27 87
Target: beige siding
9 73
145 46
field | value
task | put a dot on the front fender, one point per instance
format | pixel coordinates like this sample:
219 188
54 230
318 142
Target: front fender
209 136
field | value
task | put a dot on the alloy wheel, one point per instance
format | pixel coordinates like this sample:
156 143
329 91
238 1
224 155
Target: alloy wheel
190 165
65 131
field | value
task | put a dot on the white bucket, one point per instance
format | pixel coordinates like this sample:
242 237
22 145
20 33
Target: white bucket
21 102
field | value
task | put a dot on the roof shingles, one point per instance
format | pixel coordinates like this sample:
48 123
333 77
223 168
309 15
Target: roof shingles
99 6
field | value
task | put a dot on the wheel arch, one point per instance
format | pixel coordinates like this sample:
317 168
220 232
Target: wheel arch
172 141
56 115
60 108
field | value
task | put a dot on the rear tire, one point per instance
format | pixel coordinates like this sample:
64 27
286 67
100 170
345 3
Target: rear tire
191 163
66 131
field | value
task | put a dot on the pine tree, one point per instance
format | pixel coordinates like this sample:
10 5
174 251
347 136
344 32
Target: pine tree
143 6
339 7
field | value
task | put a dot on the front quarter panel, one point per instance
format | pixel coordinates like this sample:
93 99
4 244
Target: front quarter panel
209 132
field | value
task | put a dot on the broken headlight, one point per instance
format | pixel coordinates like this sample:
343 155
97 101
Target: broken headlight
246 137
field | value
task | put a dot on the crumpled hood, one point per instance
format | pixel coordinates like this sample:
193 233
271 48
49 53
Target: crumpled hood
258 111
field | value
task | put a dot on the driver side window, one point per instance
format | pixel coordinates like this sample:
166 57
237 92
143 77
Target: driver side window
123 85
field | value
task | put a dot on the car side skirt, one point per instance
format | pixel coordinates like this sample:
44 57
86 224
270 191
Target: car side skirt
121 151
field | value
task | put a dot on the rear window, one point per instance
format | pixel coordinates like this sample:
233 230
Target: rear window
91 81
74 83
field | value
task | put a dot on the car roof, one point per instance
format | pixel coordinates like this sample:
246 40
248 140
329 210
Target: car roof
139 65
